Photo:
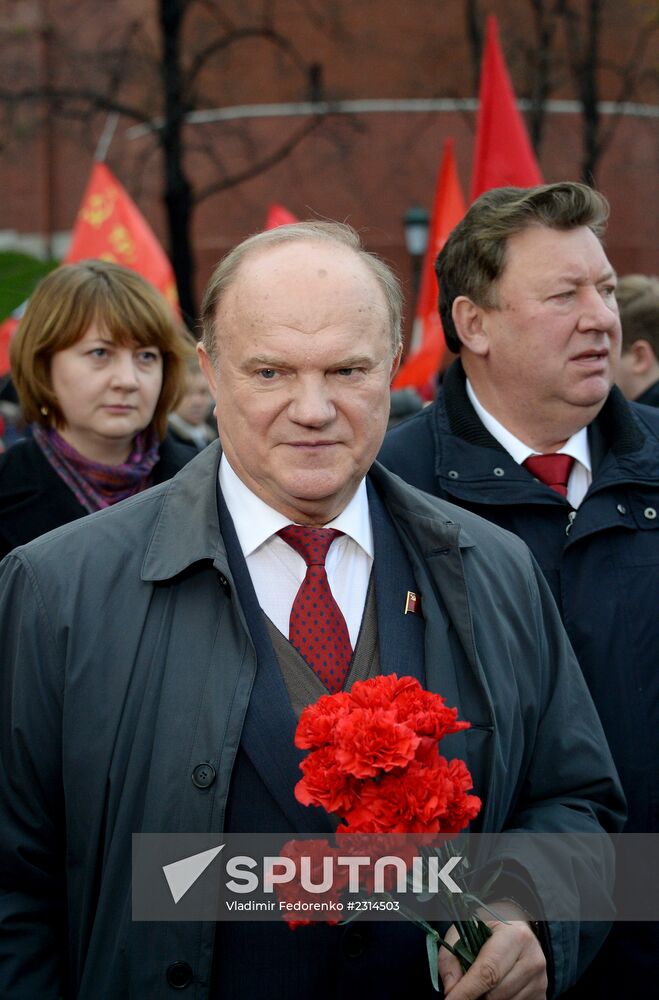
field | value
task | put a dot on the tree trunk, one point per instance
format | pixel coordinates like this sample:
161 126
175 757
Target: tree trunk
542 76
589 94
178 190
475 39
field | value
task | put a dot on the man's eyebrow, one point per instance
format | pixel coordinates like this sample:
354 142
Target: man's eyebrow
263 361
578 279
356 361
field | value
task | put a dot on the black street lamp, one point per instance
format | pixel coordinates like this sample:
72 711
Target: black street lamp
416 222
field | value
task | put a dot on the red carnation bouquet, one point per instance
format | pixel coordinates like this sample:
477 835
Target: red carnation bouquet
374 762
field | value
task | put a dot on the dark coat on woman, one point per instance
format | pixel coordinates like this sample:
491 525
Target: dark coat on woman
34 499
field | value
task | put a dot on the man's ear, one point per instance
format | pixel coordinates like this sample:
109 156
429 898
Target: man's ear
469 320
208 368
395 364
643 357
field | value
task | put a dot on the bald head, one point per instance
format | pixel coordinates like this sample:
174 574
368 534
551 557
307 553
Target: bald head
337 236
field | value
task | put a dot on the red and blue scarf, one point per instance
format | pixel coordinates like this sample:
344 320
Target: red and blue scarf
93 484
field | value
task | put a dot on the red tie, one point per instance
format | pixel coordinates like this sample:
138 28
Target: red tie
317 628
554 470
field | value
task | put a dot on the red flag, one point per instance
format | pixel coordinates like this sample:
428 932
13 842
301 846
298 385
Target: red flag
7 328
111 227
503 156
279 216
448 208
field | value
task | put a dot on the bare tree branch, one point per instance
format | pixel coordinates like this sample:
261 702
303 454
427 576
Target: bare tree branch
240 35
543 57
473 19
284 150
631 74
65 99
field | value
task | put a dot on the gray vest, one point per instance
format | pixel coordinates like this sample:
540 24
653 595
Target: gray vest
303 685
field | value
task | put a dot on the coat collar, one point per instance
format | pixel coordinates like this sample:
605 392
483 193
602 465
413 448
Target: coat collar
620 447
436 523
187 528
615 420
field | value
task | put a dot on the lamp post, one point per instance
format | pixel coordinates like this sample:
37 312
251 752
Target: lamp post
416 223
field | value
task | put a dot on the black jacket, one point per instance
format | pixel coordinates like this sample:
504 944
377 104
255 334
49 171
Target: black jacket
650 397
602 565
34 499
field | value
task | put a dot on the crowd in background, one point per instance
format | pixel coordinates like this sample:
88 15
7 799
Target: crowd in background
179 420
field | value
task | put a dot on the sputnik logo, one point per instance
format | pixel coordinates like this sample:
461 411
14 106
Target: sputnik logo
182 875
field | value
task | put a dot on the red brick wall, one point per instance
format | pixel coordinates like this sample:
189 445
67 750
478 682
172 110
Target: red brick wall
367 170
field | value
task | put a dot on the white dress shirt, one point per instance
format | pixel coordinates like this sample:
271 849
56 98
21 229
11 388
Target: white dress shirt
577 447
277 570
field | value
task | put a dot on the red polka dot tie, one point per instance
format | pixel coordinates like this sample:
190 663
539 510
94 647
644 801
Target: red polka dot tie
552 469
317 628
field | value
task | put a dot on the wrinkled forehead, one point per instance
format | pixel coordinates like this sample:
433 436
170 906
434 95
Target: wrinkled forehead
302 283
539 247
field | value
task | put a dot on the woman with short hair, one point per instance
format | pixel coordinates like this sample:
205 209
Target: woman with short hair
98 361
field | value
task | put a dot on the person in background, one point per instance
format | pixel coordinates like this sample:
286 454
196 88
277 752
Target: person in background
638 302
98 361
530 432
404 402
189 421
15 428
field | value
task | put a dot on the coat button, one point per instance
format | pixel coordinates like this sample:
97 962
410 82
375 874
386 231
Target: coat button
224 584
203 775
621 508
354 942
452 474
179 975
650 513
498 472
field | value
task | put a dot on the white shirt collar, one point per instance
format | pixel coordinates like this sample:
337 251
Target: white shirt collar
577 446
255 522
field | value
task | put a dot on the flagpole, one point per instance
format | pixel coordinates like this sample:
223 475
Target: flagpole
107 135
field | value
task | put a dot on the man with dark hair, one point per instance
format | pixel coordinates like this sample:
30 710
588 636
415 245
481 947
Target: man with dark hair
148 682
529 433
638 302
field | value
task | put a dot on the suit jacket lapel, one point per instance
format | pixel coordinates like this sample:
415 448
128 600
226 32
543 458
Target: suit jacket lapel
430 647
400 635
269 728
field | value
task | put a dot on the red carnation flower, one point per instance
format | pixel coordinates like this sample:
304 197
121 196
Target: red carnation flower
319 860
381 691
371 741
317 722
427 713
379 846
324 784
412 801
462 808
